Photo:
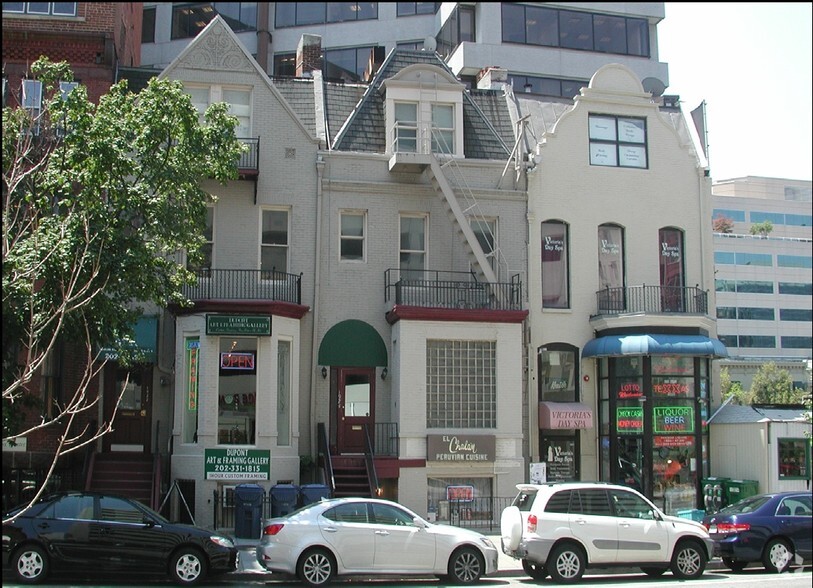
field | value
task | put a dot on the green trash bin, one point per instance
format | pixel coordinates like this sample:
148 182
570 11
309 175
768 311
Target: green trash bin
736 490
714 494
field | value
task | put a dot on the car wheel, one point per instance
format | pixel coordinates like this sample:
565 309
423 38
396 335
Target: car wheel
734 565
187 567
315 567
689 560
654 572
30 564
534 570
466 566
510 528
777 556
566 563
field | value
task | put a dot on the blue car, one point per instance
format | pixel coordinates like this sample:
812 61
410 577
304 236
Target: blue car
775 529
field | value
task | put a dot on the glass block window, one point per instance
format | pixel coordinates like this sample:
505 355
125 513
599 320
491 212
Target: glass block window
461 384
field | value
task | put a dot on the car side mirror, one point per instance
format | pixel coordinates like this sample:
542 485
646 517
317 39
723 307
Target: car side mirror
419 522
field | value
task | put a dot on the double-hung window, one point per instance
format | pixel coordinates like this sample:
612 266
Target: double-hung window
238 100
443 128
274 241
207 249
413 246
406 127
353 225
617 141
485 230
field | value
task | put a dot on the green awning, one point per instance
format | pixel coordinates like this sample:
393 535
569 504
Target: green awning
145 332
352 343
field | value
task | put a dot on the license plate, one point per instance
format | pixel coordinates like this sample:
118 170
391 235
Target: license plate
713 529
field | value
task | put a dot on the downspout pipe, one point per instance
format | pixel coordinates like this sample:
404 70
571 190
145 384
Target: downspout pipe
317 288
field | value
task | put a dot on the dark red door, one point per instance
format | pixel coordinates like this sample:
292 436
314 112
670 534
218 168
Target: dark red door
355 408
131 389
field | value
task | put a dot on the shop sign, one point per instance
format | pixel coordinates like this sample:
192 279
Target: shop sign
460 493
674 419
630 390
192 371
234 324
237 464
673 441
629 419
460 448
237 361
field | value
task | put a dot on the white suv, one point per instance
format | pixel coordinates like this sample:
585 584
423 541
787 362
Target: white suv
561 529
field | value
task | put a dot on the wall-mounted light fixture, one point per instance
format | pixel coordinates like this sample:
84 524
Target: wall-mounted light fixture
384 374
324 372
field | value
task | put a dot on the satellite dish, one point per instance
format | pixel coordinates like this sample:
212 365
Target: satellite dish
429 44
654 86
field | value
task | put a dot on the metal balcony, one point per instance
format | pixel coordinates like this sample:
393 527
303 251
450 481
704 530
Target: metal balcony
240 284
651 300
452 290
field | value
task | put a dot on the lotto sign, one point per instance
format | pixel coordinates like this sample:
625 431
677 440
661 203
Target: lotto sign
674 419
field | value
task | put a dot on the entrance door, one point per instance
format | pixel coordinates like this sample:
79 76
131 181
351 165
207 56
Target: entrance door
131 427
355 402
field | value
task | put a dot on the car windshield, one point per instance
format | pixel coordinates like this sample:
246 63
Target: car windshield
746 505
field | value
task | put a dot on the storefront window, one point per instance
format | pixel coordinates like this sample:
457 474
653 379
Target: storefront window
557 374
237 391
555 289
794 459
454 499
654 434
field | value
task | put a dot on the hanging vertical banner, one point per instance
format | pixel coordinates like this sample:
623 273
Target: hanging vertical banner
192 371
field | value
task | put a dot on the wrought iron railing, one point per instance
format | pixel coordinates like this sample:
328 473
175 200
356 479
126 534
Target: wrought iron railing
652 299
236 284
250 159
385 440
448 289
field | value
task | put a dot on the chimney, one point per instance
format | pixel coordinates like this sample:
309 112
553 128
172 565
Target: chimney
308 55
492 78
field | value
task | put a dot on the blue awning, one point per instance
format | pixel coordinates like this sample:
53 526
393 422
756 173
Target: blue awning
656 344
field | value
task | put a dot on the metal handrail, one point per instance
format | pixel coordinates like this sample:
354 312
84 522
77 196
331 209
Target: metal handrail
245 284
372 476
652 299
324 452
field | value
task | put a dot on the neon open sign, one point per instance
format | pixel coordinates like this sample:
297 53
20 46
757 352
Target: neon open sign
237 361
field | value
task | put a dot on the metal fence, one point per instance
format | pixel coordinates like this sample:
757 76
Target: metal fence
480 514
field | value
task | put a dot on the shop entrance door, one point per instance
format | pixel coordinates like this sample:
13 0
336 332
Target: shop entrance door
354 408
131 426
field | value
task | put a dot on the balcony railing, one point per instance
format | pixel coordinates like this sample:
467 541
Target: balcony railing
447 289
250 160
236 284
652 299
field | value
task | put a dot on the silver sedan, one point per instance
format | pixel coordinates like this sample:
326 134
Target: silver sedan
371 537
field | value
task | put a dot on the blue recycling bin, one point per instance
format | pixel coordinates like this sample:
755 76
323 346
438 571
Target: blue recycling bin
284 499
309 493
248 510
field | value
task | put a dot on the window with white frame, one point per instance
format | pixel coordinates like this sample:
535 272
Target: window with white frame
617 141
41 8
32 96
207 249
284 393
443 128
485 229
412 252
406 127
274 243
238 100
353 228
461 384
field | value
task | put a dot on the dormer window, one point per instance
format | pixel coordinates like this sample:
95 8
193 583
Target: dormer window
424 111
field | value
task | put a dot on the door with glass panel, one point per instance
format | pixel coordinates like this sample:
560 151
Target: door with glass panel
355 408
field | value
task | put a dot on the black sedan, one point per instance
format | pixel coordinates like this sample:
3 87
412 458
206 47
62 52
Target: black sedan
775 529
79 531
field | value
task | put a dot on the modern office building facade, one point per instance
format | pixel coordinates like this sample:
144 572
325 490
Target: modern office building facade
764 282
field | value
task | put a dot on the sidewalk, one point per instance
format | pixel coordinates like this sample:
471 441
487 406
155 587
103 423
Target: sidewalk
506 566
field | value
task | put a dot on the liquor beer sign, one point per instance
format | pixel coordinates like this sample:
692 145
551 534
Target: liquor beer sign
674 419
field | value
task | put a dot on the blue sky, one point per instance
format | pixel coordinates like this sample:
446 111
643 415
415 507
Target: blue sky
751 63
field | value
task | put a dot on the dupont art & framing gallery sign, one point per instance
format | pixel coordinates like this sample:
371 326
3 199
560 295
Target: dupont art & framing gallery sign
238 464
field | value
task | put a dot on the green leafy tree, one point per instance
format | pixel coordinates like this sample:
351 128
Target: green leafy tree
731 388
772 385
762 229
98 203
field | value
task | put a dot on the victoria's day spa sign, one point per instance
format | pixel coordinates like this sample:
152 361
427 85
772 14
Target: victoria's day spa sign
238 464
